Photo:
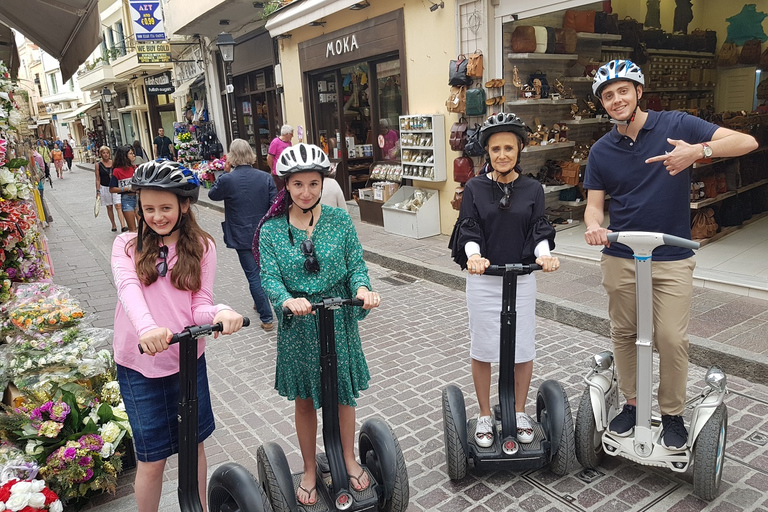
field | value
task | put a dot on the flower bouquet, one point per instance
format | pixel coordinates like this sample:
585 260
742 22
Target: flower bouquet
19 256
14 185
43 307
185 137
218 163
28 496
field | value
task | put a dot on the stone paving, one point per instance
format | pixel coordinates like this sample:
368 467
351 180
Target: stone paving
415 344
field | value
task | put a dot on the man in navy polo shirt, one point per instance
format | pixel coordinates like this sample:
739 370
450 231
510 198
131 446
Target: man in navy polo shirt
644 165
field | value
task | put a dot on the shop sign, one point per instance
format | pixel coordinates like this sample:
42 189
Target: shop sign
149 21
342 45
153 53
159 84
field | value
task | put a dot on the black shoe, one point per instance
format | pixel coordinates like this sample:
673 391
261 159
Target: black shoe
673 435
624 423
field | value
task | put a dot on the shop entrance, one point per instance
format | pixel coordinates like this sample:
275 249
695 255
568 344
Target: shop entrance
259 116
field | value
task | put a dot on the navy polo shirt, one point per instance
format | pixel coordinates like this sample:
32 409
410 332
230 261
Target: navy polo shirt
644 197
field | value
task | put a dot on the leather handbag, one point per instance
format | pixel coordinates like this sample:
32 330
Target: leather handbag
703 225
570 172
524 39
458 138
705 40
728 54
457 72
541 39
458 195
606 23
473 146
475 65
463 169
580 21
762 89
475 102
750 52
457 100
550 40
631 32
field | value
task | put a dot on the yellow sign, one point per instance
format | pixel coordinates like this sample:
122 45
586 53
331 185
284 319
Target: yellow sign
153 53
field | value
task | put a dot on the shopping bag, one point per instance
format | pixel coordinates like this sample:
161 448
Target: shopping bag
97 206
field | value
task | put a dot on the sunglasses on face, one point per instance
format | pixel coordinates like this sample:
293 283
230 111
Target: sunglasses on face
308 250
162 267
505 201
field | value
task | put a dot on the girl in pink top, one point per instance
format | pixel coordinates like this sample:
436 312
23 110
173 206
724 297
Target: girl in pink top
164 277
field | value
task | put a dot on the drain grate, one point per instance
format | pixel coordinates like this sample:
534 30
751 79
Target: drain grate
405 277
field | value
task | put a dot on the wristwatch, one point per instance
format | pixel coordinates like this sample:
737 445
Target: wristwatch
707 150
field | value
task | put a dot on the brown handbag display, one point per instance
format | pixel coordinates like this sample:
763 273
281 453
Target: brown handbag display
722 185
580 21
524 39
458 138
457 100
728 54
475 65
710 186
750 52
704 224
570 172
463 169
764 59
458 195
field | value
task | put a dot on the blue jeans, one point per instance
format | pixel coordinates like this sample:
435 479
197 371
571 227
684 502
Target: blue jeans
251 269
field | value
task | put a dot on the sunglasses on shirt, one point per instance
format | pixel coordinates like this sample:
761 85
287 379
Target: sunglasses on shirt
162 267
505 201
308 250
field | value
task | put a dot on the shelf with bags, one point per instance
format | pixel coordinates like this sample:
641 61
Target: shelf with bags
681 53
712 200
707 162
542 56
549 147
591 36
430 148
545 101
587 120
431 129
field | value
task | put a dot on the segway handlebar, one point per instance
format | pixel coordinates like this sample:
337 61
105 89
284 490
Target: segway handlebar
517 268
330 303
642 241
198 331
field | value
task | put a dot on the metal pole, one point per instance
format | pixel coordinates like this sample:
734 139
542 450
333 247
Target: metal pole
231 99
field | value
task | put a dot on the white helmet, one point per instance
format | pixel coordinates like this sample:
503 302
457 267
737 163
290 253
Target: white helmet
302 158
616 70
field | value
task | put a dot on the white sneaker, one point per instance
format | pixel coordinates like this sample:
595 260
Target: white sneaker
524 428
484 432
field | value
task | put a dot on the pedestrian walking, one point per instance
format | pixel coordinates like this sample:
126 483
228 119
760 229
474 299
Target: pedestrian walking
502 221
69 154
332 194
141 155
109 199
308 251
163 145
276 147
58 161
120 183
247 194
644 164
164 277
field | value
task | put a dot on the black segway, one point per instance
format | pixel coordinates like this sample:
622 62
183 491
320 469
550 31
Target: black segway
232 487
380 453
553 441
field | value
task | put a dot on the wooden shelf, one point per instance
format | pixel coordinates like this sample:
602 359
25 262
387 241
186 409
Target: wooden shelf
730 229
612 48
542 56
546 101
699 165
416 131
725 195
587 120
590 36
584 79
430 148
657 51
422 164
549 147
703 88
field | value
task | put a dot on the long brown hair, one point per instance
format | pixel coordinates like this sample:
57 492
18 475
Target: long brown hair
192 244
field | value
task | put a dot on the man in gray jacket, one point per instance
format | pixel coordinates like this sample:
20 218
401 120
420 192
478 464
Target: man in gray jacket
247 194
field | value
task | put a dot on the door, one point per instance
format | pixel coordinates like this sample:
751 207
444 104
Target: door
129 134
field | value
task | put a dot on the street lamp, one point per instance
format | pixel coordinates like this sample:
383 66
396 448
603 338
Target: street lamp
226 44
107 95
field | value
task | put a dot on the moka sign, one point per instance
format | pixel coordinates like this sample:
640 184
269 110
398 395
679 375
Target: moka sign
148 17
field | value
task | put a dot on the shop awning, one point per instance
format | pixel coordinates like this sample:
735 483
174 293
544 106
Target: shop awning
182 90
520 9
300 14
68 30
82 110
8 53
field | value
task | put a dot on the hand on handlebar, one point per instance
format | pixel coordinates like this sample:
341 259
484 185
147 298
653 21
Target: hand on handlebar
370 299
230 321
477 264
548 263
597 236
156 340
299 306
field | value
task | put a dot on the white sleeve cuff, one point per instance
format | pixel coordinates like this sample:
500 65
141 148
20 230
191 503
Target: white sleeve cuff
542 249
471 248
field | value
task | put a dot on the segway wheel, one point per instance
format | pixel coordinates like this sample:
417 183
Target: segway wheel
380 452
589 441
453 425
709 455
554 411
275 477
233 488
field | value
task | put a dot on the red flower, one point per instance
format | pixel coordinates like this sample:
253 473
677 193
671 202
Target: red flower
29 509
50 496
5 491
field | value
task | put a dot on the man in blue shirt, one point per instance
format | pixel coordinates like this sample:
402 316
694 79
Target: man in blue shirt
644 165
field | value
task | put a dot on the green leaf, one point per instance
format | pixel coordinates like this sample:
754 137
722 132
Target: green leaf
105 413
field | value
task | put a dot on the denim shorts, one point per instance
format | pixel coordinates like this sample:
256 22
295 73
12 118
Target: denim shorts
152 406
129 202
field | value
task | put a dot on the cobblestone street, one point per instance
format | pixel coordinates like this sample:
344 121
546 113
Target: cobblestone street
416 343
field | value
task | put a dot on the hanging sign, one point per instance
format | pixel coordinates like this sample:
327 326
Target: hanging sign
159 84
152 53
148 17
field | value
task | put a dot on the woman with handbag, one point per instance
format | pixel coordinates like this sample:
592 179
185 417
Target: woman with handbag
502 221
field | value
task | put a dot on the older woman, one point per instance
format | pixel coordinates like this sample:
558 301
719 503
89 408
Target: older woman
108 199
247 194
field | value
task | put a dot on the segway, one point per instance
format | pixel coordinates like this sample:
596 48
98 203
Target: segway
232 487
553 442
379 450
707 431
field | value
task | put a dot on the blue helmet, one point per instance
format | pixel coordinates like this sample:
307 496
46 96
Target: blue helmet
614 70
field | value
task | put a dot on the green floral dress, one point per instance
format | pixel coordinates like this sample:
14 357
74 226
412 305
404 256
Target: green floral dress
342 272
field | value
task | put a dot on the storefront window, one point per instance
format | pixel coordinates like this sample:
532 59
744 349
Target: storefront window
390 108
258 111
327 115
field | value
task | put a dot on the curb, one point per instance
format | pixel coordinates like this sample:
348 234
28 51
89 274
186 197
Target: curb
702 352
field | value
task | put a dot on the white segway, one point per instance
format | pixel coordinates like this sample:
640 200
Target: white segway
705 450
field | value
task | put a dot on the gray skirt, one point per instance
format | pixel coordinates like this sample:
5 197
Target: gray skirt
484 306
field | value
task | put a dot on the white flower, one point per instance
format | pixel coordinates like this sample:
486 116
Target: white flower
14 118
56 506
6 176
107 450
120 414
110 432
34 447
11 189
18 500
36 500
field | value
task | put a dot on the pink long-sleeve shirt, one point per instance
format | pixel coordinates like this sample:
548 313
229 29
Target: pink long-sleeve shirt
142 308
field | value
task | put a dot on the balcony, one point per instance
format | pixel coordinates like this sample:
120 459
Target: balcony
60 96
96 78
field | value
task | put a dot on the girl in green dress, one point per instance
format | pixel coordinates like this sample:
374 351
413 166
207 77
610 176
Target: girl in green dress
308 251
